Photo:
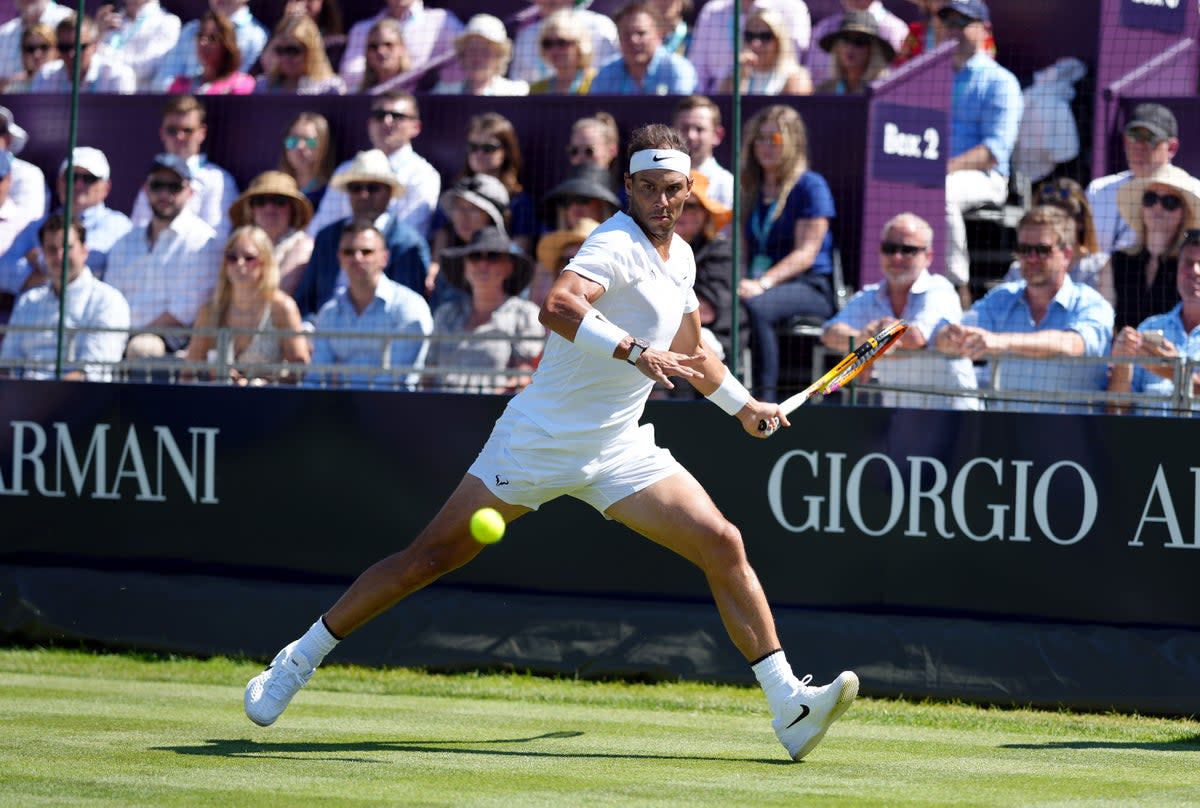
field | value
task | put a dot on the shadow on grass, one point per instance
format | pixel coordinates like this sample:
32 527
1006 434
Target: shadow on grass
1189 744
303 750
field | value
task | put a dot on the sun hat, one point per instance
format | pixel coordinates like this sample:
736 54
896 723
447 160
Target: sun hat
551 245
858 22
721 215
19 136
368 166
90 160
483 191
586 180
488 239
486 27
1129 195
272 183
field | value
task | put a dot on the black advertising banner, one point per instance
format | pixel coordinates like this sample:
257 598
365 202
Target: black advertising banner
1074 518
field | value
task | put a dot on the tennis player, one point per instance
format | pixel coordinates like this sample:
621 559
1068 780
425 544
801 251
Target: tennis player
622 316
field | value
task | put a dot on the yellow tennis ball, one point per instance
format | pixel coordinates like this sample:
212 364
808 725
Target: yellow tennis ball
487 526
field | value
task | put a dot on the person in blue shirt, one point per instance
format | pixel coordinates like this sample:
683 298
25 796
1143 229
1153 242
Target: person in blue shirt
644 67
985 114
1032 322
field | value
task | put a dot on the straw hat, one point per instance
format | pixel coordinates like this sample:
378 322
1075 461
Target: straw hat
1129 196
272 183
489 239
721 215
551 245
858 22
368 166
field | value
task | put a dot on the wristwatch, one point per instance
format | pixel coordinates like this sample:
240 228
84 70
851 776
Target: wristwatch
640 344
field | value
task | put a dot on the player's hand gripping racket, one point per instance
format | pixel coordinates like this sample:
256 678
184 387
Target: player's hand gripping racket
844 371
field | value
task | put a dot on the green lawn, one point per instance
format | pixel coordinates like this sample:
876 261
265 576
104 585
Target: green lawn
79 729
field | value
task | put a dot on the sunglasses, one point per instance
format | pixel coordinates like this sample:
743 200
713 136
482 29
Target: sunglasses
1054 192
758 36
236 258
390 115
366 187
186 131
1169 202
275 200
483 148
953 18
68 48
1040 250
85 179
577 151
352 252
157 186
551 44
856 40
295 141
289 50
374 46
772 139
892 247
31 49
1140 134
490 257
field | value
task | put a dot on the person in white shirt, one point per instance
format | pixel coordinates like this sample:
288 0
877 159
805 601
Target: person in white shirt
482 52
97 72
428 34
30 12
698 119
139 36
527 63
392 123
13 220
574 431
29 191
711 52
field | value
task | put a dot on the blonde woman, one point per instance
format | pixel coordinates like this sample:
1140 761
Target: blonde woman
769 65
248 299
38 47
483 51
785 215
297 61
274 203
860 55
387 56
566 45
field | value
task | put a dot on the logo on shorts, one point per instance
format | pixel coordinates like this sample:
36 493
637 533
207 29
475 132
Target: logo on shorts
501 480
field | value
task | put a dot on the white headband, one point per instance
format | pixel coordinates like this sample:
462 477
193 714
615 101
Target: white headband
669 159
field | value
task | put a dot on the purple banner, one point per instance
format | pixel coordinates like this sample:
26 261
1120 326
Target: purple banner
1157 15
909 145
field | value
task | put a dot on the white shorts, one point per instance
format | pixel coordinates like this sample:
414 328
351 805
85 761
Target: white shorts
523 464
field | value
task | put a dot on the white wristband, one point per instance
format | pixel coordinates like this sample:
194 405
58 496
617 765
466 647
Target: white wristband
597 335
730 396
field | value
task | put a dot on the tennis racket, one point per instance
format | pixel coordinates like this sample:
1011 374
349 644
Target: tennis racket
844 371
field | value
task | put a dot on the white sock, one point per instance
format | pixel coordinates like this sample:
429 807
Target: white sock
316 643
778 682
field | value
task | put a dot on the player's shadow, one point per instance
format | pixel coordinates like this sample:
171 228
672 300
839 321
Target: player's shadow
343 751
1188 744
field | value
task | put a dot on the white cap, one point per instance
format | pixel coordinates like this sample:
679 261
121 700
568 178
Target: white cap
90 160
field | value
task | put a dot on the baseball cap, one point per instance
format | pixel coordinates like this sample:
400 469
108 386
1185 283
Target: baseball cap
1156 119
90 160
6 161
173 163
975 9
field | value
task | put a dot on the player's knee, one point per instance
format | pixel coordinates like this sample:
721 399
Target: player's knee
724 549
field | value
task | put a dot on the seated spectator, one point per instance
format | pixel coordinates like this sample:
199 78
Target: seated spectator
584 194
473 203
218 58
428 34
138 35
1030 322
1139 280
493 271
529 61
97 72
644 67
769 65
554 251
386 57
786 209
369 302
483 51
247 299
274 204
712 51
28 191
677 37
89 303
38 48
1167 335
168 268
298 61
698 119
13 221
212 189
859 55
888 26
184 59
907 292
369 184
700 225
29 14
1088 261
566 47
308 155
595 139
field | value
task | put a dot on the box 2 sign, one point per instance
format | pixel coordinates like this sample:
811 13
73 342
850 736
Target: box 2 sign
909 145
1157 15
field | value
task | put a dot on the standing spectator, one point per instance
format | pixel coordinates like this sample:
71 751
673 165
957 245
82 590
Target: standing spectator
700 225
786 209
247 299
369 183
644 67
712 52
30 13
566 47
89 303
212 188
139 36
370 302
308 155
97 72
392 123
888 27
482 51
39 46
492 271
985 114
428 34
299 63
28 191
1151 141
529 61
184 59
769 65
859 55
1038 318
167 268
1089 260
218 57
554 251
907 292
274 204
386 56
698 119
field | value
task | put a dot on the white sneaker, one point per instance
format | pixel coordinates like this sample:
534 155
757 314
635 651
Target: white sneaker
268 694
811 710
